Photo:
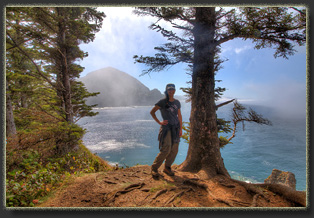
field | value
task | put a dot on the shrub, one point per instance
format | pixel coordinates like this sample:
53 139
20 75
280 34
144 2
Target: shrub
44 152
30 180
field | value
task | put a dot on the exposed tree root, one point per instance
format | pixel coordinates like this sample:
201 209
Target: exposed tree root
227 185
123 191
241 203
253 189
145 189
171 199
297 197
205 186
254 202
159 193
219 191
109 182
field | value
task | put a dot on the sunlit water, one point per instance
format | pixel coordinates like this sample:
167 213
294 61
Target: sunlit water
128 136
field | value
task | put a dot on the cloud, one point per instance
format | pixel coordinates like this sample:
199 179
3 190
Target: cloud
122 36
236 46
287 96
243 49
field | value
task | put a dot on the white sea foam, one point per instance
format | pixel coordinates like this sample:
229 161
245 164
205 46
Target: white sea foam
112 163
241 177
144 120
114 145
265 162
119 108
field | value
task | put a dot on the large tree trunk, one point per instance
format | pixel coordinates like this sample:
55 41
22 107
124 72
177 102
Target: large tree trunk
204 151
67 98
23 95
64 76
10 124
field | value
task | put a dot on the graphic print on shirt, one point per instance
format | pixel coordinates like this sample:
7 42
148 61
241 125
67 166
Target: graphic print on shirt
172 112
173 108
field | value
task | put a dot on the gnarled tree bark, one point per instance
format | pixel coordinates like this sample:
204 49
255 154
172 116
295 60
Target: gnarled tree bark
204 151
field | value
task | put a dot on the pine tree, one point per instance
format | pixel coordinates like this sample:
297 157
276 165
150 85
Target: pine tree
49 40
206 29
68 27
19 84
42 52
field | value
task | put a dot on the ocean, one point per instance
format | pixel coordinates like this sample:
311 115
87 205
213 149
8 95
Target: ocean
127 136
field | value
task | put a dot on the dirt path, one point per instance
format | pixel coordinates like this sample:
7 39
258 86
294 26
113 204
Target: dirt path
135 187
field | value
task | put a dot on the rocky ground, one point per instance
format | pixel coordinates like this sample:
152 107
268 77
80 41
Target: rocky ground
135 187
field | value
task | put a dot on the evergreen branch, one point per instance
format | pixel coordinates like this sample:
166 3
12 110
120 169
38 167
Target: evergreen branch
16 45
43 110
170 34
181 27
44 21
227 38
259 25
225 14
31 59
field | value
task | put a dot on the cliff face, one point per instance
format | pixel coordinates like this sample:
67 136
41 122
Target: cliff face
118 89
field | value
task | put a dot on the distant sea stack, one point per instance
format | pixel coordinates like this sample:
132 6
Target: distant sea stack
118 89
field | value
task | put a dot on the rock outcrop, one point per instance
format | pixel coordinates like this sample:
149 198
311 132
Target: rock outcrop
283 178
118 89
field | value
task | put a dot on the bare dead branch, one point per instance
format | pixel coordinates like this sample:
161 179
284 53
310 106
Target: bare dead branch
224 103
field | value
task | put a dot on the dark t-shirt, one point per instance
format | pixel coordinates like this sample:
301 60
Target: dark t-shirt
171 113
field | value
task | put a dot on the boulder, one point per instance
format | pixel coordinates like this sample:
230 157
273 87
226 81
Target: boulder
283 178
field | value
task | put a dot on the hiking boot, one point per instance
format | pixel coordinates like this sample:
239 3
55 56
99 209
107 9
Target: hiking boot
168 171
155 173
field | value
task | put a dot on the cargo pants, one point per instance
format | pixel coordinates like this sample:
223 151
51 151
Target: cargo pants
168 152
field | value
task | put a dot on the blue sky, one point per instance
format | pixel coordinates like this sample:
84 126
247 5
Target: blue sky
249 75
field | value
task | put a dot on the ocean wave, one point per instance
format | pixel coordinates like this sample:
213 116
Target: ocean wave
121 107
266 163
112 163
242 178
114 145
144 120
